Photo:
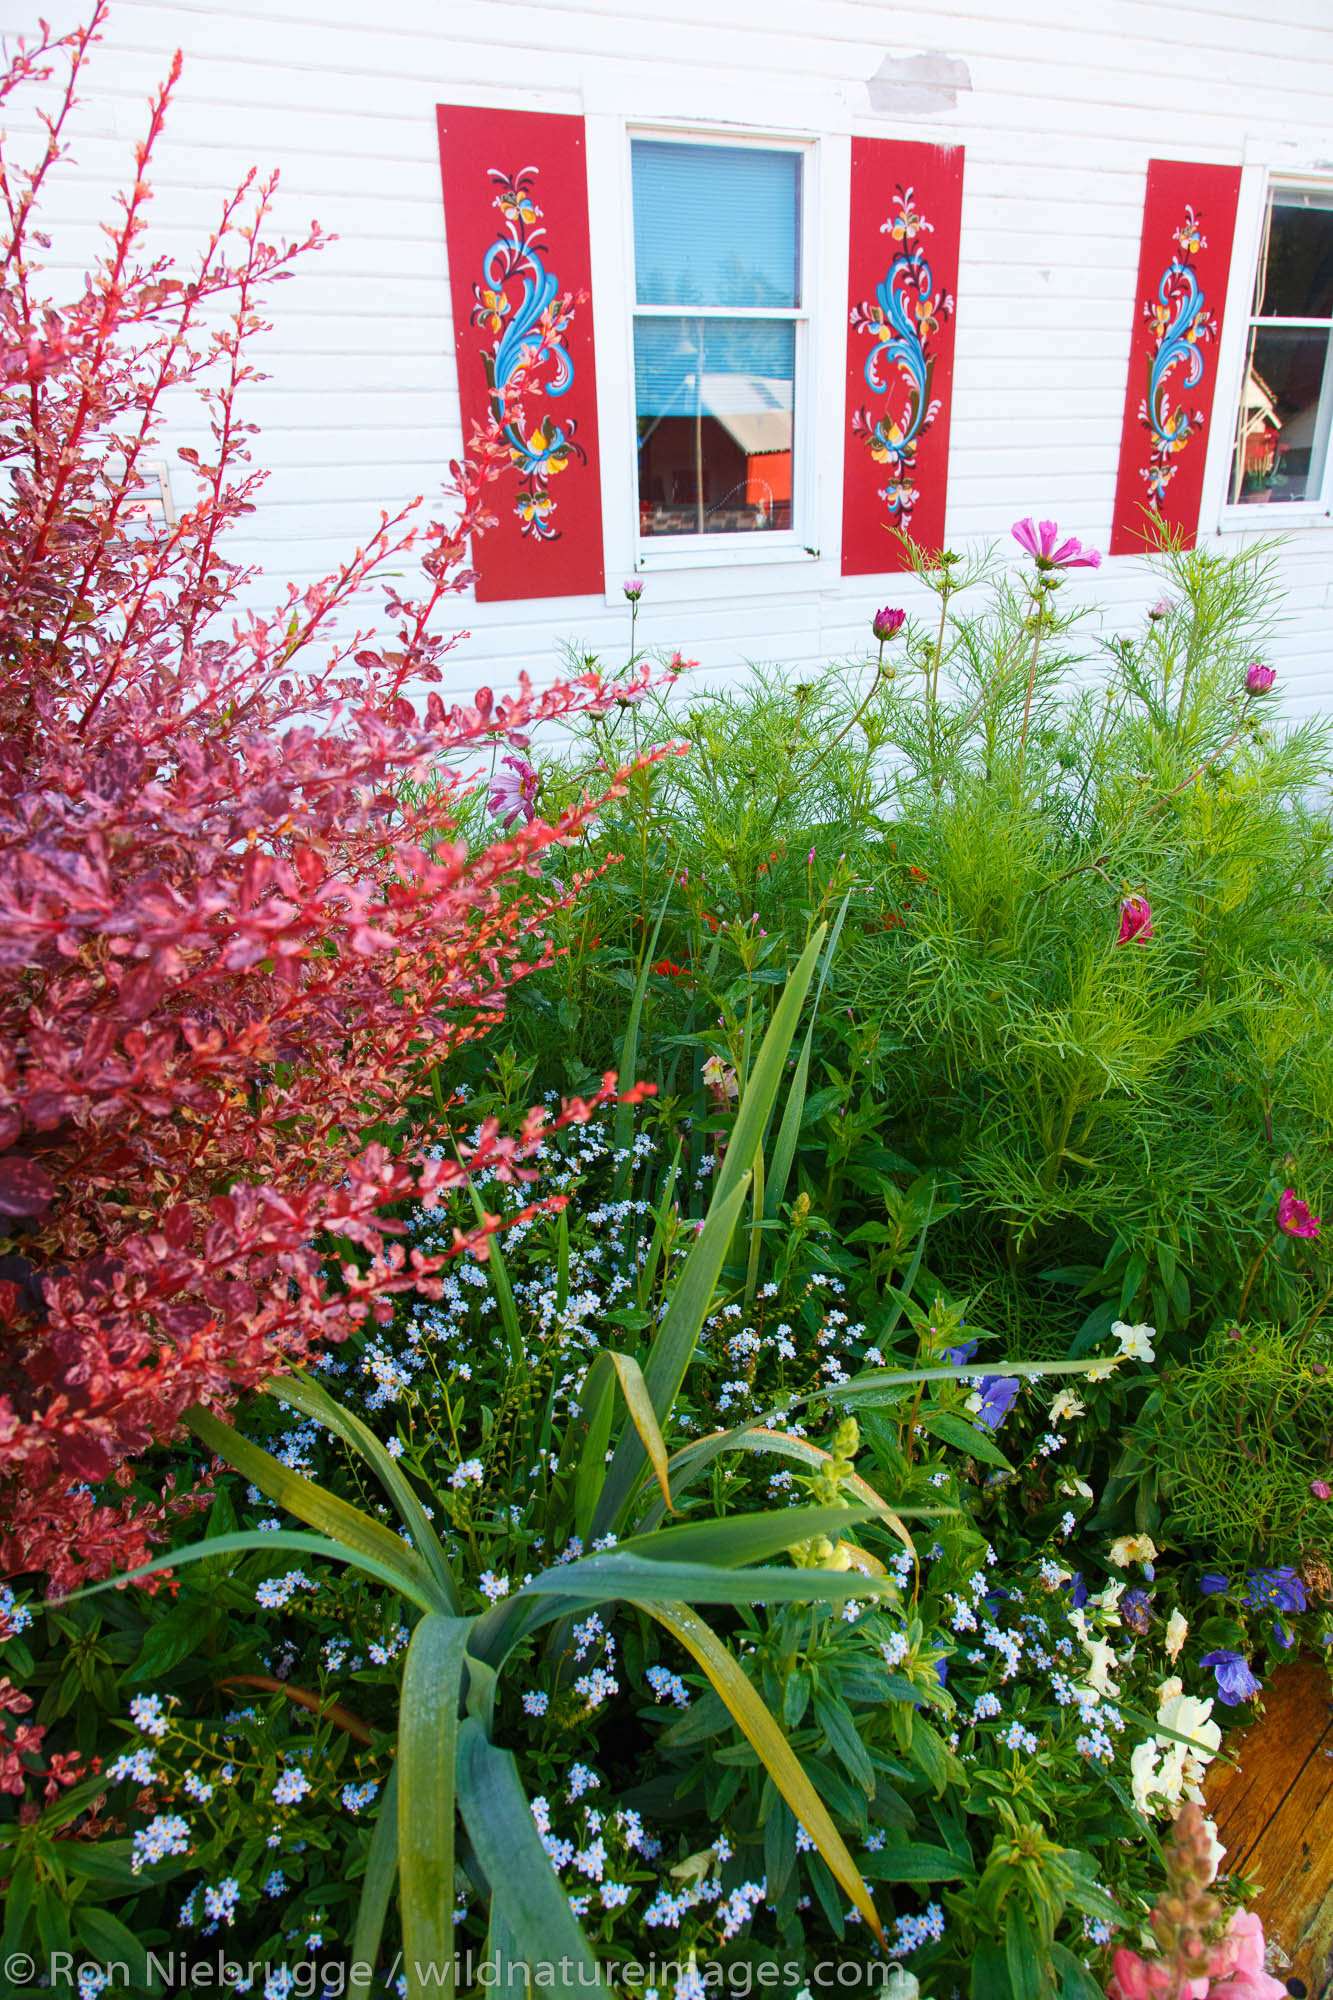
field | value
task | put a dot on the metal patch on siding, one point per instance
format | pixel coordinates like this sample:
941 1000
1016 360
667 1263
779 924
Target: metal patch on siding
915 86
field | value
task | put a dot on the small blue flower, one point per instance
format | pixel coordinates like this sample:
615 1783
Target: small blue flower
1235 1682
1212 1584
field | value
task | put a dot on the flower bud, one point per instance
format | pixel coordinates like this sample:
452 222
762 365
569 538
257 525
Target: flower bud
1259 678
887 624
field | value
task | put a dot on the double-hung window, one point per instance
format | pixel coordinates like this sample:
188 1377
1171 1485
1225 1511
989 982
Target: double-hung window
1282 435
719 334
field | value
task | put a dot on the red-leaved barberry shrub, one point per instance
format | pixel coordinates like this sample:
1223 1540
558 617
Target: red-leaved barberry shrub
238 926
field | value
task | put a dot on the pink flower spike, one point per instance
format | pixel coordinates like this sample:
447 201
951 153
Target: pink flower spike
1135 920
1293 1217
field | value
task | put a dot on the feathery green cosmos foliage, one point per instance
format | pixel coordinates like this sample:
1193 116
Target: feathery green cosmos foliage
1112 1109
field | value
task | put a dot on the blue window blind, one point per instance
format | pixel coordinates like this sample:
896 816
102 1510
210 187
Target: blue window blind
716 225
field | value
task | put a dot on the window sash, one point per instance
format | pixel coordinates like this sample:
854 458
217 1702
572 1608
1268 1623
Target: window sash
1315 503
687 549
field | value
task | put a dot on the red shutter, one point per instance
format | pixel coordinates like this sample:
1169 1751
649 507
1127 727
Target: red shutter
1189 218
906 210
520 277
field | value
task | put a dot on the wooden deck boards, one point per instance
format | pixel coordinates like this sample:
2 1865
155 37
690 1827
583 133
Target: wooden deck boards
1274 1816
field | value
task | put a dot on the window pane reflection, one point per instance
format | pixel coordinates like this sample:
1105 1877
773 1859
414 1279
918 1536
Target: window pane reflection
1297 278
1282 437
714 405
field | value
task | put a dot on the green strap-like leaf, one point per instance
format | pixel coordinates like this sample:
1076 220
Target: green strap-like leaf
536 1909
742 1538
310 1397
597 1402
313 1503
427 1751
789 1131
623 1132
766 1738
689 1465
404 1582
376 1889
691 1297
764 1079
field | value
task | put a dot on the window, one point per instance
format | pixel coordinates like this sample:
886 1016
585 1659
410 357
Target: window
719 328
1282 434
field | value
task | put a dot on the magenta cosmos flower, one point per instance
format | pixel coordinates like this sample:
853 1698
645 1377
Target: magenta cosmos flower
1135 920
1042 540
888 623
1293 1217
513 793
1259 678
633 589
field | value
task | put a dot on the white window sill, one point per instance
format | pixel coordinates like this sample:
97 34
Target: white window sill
1274 516
687 552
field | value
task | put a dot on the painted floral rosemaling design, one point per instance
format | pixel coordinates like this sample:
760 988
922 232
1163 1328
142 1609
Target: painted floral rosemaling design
906 315
520 305
1181 325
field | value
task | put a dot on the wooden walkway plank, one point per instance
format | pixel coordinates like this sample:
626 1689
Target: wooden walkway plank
1274 1816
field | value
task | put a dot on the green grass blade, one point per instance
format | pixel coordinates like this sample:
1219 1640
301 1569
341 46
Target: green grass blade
789 1131
756 1227
596 1408
761 1089
660 1225
498 1272
315 1401
741 1538
904 1291
376 1889
312 1503
769 1742
248 1540
690 1465
601 1579
517 1866
691 1298
629 1053
427 1754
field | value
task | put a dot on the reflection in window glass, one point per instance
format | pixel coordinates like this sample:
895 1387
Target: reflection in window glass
1282 429
713 399
715 225
717 233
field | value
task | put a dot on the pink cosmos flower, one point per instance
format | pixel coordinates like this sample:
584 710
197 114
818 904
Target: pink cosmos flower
633 589
1135 920
1293 1217
513 793
1162 608
1042 540
888 623
1321 1489
1259 678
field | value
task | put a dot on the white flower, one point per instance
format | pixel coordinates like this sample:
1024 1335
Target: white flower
1101 1659
1107 1366
1177 1629
1127 1549
1169 1690
1136 1342
1065 1405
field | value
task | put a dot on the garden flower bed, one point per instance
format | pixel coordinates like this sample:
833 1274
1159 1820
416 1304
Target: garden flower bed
699 1320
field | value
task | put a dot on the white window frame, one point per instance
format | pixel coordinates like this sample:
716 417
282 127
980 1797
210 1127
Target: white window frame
1268 169
712 563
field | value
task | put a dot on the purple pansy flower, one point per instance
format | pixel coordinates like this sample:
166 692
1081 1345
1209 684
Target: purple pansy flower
997 1399
958 1357
1235 1682
1213 1584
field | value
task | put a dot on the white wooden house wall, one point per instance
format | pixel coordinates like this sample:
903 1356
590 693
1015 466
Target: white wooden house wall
1059 108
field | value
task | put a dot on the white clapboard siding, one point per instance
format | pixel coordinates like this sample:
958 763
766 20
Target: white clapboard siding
360 409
